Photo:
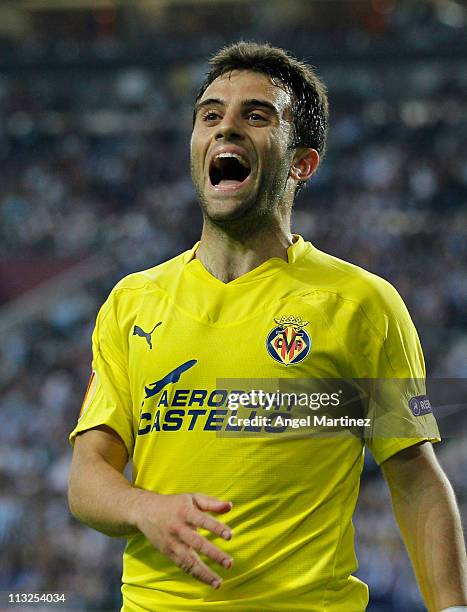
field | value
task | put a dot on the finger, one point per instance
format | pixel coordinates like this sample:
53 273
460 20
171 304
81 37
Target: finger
205 547
211 504
201 520
187 559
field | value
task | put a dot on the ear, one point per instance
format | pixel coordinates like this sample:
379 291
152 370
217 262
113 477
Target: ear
305 163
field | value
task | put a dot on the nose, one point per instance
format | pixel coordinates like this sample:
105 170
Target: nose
228 129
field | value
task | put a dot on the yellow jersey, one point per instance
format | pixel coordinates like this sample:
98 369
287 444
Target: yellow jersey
166 343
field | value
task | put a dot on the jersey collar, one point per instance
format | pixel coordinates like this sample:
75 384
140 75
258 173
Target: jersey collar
294 252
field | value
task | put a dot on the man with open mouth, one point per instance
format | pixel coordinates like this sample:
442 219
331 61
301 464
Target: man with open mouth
251 306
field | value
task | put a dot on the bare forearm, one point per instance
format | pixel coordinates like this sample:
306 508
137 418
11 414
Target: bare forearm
102 498
431 527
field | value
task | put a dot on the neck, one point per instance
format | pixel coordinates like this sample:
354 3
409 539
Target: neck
227 256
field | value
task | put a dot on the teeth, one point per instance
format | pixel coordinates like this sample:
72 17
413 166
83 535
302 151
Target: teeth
239 158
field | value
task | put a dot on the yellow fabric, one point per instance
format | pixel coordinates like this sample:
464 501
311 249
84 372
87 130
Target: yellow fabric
293 497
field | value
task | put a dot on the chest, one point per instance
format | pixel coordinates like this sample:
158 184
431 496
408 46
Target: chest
174 347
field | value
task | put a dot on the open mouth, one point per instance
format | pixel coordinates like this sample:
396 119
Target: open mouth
228 170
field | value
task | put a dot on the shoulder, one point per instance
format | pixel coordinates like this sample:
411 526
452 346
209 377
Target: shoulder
151 277
131 291
372 296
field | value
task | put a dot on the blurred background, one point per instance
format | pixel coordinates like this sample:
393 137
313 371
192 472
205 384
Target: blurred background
95 117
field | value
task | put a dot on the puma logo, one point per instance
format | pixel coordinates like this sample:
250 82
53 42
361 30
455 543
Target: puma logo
138 331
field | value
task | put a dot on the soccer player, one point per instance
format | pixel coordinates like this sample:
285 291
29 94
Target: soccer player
228 515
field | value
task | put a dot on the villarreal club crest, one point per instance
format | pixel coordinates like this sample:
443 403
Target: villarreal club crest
288 342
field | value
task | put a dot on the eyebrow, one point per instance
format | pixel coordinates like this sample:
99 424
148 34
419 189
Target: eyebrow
250 103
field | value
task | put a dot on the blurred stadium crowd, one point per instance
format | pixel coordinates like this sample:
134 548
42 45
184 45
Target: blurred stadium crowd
95 167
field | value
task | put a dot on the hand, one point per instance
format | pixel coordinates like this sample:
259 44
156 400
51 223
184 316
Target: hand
170 523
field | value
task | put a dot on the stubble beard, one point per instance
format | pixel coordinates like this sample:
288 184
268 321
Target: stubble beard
256 214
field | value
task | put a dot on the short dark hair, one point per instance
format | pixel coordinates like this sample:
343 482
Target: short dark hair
309 96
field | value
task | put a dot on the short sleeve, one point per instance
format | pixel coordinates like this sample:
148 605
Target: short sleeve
399 409
107 400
